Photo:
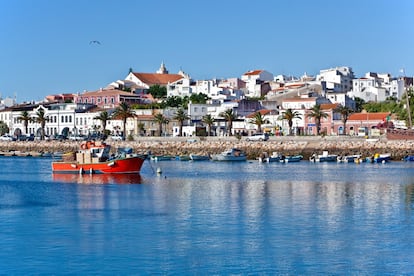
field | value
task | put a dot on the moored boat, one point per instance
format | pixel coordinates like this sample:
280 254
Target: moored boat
95 158
379 158
275 157
233 154
324 157
409 158
400 134
349 158
157 158
291 158
198 157
183 158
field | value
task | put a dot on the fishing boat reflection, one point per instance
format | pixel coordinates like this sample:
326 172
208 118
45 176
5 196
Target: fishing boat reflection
98 178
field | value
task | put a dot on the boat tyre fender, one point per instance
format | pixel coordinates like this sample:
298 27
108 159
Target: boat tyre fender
83 146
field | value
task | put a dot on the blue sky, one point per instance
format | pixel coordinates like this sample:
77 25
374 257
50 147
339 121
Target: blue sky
45 45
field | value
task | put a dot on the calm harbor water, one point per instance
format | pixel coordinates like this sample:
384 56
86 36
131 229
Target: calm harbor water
208 218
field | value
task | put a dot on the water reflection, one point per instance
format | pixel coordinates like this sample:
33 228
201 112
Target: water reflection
98 178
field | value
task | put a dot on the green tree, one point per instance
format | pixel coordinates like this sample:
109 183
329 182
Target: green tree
4 128
209 121
173 101
229 116
104 118
258 120
289 115
41 119
141 128
25 117
317 113
180 116
345 113
158 91
199 98
359 103
160 120
123 112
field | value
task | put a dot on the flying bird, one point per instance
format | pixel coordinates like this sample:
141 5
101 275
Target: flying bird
95 42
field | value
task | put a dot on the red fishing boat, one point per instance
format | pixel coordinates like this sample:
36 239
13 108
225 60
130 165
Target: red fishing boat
96 158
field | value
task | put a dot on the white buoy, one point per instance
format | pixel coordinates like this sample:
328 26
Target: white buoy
159 170
90 171
383 161
80 171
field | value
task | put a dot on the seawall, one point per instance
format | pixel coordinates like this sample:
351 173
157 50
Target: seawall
305 146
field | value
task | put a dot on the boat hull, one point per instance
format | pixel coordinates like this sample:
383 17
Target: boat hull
124 165
228 158
195 157
400 134
290 159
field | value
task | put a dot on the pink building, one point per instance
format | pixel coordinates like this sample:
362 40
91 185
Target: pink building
108 98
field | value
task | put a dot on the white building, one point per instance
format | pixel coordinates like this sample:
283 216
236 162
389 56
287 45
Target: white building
375 87
254 80
337 79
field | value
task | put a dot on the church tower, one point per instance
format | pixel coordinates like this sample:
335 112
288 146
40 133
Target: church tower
162 69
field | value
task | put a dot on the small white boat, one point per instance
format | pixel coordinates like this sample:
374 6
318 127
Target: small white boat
275 157
324 157
230 155
349 158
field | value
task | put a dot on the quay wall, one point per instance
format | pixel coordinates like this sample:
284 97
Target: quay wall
288 145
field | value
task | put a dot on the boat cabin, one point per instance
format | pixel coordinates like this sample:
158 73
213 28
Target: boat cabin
93 152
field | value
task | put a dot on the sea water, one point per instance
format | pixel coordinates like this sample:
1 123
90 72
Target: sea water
208 218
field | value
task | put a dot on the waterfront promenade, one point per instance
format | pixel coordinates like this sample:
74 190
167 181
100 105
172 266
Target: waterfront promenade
305 145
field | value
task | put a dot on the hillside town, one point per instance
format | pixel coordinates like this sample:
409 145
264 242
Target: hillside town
257 101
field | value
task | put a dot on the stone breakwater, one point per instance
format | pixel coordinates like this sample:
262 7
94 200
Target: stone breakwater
285 145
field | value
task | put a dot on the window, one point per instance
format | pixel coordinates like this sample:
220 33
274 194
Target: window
98 100
112 100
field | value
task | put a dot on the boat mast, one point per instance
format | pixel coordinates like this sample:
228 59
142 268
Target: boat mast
408 101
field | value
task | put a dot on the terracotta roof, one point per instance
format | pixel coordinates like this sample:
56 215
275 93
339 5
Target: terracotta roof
161 79
107 92
262 111
253 73
368 116
329 106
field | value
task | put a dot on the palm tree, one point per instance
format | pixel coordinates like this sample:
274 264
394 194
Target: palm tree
317 114
160 120
41 118
229 116
25 117
104 118
290 115
180 116
258 120
209 121
345 112
123 111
